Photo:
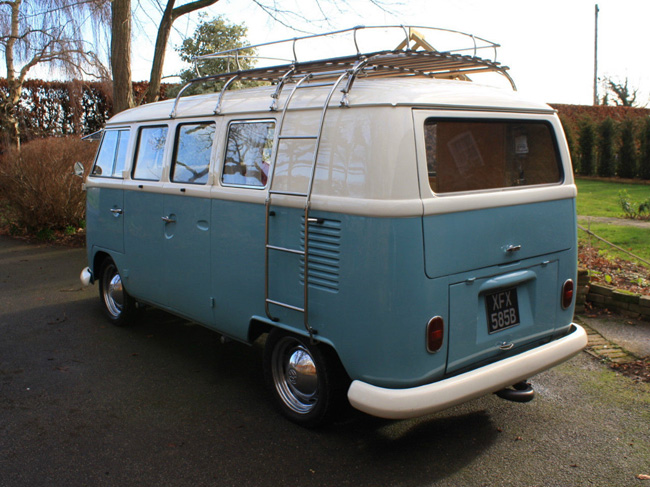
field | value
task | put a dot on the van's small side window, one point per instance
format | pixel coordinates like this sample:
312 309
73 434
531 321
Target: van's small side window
112 154
469 155
248 153
150 154
192 153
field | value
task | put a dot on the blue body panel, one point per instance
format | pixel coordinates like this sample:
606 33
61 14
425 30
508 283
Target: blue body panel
237 266
187 255
374 282
103 226
457 242
143 271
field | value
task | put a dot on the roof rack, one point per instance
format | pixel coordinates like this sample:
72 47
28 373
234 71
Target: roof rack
414 56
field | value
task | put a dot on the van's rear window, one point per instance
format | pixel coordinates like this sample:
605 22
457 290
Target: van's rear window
471 155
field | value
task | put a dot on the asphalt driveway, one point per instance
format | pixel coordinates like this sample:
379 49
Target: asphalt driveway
165 403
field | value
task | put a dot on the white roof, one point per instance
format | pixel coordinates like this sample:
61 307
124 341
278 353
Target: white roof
404 91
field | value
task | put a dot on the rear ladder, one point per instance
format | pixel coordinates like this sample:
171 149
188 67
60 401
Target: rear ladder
304 196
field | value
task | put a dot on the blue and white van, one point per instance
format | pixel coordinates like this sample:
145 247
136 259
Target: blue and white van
405 237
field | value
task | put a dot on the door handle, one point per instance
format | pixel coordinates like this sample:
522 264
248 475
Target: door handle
116 212
167 219
513 248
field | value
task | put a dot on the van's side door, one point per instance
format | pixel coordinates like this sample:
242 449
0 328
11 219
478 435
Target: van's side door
143 273
105 196
187 217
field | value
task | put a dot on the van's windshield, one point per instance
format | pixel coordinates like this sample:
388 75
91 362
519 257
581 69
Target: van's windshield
470 155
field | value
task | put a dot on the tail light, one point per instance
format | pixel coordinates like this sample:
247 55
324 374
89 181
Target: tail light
567 294
435 334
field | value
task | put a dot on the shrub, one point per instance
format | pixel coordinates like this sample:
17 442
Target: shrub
606 154
644 160
627 152
587 141
40 192
634 209
570 139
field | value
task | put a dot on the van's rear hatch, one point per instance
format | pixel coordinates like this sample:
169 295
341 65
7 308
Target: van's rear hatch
498 223
502 266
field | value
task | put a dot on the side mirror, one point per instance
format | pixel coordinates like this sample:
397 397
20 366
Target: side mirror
79 169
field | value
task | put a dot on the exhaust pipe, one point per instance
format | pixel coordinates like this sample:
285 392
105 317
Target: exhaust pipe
520 392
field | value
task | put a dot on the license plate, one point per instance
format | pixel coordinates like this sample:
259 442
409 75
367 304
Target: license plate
502 310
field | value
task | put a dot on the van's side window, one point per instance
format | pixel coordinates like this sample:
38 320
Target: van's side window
464 155
150 155
112 154
248 153
192 153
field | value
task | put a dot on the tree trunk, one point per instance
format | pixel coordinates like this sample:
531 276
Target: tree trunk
164 29
9 104
121 55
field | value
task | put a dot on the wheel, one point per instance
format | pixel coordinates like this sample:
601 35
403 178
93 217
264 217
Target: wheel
118 305
304 378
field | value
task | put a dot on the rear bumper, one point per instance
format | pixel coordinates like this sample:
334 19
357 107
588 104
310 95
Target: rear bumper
426 399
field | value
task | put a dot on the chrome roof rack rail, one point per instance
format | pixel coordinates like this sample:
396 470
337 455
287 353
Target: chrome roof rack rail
413 57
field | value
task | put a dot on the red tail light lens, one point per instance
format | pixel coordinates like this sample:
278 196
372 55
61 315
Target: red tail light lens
435 334
567 294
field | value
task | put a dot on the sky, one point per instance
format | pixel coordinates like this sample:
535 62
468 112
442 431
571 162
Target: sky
549 45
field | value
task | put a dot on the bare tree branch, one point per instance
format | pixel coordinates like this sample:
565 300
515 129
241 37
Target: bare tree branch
38 32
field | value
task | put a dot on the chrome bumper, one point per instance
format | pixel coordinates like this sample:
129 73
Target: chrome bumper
429 398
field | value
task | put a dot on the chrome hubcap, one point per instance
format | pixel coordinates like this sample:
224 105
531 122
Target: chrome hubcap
113 292
295 375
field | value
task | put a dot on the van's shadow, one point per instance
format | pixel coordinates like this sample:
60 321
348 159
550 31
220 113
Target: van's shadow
354 447
177 383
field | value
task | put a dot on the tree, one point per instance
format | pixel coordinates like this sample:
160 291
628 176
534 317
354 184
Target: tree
121 55
587 141
209 37
170 14
34 32
570 139
644 161
627 152
121 49
606 154
622 96
122 70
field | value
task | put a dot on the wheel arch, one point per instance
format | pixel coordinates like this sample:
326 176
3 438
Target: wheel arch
98 260
259 326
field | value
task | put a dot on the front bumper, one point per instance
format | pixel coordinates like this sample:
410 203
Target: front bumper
429 398
86 276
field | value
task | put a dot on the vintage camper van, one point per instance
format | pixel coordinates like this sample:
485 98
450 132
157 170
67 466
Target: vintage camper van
404 236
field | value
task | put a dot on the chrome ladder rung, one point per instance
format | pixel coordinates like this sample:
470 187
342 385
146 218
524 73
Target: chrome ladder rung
285 305
284 249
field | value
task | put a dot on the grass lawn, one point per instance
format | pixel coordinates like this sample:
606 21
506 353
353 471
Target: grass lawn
635 240
600 198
